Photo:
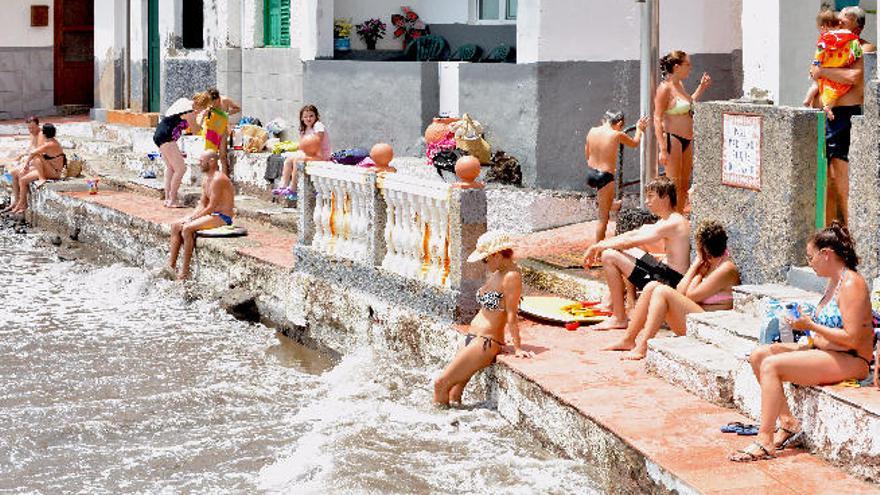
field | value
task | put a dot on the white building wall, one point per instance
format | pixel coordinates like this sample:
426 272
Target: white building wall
17 30
606 30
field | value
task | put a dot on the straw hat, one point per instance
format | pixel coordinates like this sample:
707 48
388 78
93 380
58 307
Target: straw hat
490 243
182 105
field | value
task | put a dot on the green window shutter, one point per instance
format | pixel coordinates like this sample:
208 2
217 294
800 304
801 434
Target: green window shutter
272 22
284 17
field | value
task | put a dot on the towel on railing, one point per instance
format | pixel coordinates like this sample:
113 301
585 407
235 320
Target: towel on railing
274 167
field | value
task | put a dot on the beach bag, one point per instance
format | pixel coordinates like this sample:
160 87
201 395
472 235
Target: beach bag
351 156
73 166
469 137
253 138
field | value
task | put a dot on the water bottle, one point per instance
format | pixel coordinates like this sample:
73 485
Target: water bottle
790 311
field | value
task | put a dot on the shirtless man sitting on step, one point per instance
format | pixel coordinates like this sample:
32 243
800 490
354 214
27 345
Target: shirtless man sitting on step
215 209
623 260
601 150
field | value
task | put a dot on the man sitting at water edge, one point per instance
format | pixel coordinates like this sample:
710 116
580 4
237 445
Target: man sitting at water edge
215 209
624 261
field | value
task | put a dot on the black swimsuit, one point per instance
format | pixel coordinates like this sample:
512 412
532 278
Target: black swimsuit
169 129
50 158
685 143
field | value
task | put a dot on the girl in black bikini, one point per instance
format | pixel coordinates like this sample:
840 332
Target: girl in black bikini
674 121
48 162
499 305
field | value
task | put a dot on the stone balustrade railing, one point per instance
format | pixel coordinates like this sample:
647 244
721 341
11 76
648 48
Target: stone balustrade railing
345 210
392 223
417 228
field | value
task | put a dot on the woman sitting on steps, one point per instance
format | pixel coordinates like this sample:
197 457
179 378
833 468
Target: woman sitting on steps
840 345
707 286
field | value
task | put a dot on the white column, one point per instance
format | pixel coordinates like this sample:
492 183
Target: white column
312 28
110 41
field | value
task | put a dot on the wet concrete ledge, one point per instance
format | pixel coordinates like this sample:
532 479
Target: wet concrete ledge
642 434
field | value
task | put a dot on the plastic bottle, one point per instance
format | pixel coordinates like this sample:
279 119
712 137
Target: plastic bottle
789 311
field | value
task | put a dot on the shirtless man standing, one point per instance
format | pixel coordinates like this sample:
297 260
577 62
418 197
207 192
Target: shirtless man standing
623 261
215 209
600 150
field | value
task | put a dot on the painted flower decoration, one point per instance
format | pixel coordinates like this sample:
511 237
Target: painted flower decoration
408 25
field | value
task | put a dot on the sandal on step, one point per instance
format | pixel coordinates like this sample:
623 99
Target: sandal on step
732 427
753 452
791 439
748 430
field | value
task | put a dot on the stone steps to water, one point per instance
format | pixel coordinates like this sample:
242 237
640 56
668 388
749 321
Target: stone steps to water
711 362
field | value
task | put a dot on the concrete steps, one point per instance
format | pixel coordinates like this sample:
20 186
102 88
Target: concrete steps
841 424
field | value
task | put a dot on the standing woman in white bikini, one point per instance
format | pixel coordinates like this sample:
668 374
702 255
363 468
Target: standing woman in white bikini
674 121
499 304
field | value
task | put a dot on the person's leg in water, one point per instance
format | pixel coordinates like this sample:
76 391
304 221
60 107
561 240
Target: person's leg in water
23 191
470 359
604 200
16 174
617 267
175 167
188 235
638 316
667 304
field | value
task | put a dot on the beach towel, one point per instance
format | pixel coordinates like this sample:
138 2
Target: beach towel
215 128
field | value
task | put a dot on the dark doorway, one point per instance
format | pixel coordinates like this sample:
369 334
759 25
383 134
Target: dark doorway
74 52
153 62
193 24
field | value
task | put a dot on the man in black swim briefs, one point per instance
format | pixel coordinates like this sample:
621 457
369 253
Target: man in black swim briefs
600 150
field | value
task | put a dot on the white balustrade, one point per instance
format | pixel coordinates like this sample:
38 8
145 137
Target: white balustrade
342 216
417 228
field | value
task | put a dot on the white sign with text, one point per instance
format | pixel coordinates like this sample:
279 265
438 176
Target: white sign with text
741 151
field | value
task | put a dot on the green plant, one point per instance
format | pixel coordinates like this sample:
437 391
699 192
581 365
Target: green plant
341 28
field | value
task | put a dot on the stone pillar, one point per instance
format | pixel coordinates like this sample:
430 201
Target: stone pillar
779 40
467 222
768 228
111 18
864 182
312 28
306 206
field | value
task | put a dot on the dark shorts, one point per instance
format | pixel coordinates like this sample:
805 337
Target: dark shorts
837 131
649 268
598 179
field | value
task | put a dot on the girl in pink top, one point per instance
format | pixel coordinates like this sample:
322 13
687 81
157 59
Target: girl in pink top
309 124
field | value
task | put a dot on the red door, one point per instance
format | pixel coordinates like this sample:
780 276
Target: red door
74 52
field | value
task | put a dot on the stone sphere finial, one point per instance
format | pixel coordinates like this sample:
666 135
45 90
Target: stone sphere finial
467 168
382 154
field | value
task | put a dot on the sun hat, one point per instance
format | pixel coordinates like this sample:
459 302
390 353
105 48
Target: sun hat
182 105
490 243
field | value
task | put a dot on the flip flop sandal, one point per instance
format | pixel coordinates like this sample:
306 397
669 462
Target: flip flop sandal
793 439
732 427
757 453
748 430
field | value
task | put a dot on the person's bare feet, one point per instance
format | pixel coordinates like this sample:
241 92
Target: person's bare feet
636 354
609 324
620 345
182 276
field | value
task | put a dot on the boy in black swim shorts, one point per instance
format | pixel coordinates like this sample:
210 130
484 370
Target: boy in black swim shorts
600 150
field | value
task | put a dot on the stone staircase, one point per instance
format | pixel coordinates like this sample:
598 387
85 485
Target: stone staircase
841 424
